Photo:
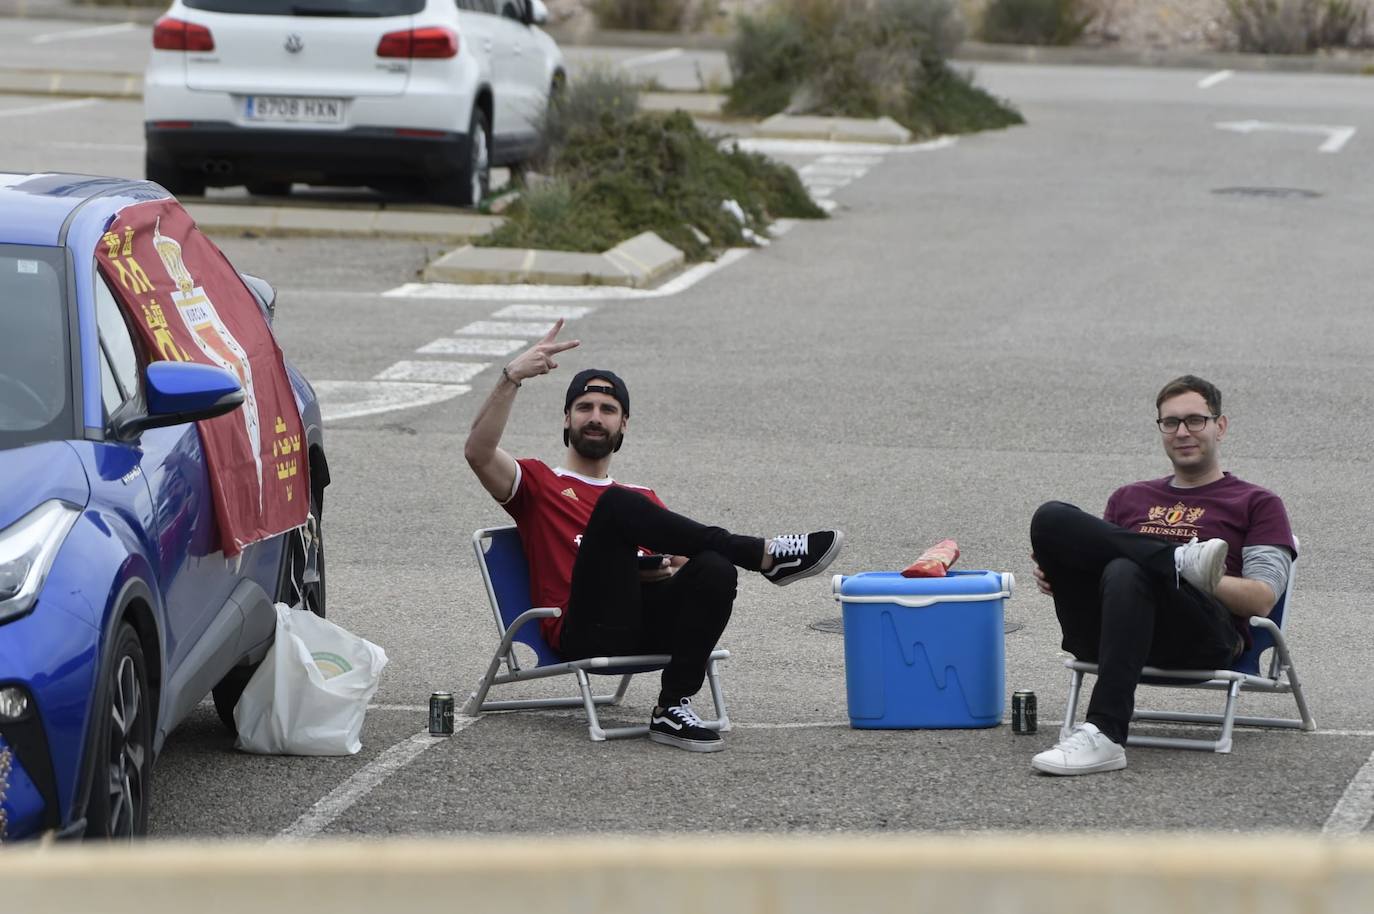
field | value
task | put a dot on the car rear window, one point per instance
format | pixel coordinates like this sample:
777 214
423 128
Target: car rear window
347 8
35 380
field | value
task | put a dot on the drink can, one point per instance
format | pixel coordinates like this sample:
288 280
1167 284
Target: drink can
441 714
1023 711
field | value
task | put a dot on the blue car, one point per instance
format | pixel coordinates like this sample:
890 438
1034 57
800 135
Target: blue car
118 613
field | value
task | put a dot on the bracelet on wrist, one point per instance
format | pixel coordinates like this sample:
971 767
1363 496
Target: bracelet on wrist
505 373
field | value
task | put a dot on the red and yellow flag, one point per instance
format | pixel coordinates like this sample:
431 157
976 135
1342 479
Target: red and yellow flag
190 305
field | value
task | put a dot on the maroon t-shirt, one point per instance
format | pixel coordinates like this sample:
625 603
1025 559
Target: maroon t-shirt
1232 509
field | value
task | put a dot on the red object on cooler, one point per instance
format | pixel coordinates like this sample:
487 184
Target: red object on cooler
934 562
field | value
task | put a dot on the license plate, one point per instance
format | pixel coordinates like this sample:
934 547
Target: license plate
294 109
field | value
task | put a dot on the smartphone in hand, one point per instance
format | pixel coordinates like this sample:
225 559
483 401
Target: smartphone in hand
651 562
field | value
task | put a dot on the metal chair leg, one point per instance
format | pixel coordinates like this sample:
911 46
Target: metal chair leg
718 697
593 722
1071 708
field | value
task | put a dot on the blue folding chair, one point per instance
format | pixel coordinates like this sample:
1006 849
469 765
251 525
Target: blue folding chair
501 558
1280 677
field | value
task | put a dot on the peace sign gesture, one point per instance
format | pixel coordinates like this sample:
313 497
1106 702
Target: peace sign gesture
538 359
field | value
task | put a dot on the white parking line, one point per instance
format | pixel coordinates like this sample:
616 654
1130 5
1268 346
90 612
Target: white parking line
865 161
544 312
1219 76
50 107
433 372
826 147
656 57
822 168
507 328
93 32
1356 806
824 180
339 800
352 399
451 346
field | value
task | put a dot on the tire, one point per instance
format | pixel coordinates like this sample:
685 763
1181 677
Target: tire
302 553
269 188
472 182
178 181
118 806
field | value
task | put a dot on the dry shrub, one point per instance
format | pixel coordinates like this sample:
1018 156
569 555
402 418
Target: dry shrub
1298 26
1046 22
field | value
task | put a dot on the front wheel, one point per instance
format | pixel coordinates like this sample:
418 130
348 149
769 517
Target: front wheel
118 808
472 182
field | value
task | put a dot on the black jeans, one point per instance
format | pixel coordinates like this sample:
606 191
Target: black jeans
1120 604
611 611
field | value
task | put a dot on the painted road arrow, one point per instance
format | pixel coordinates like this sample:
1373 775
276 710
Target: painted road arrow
1336 137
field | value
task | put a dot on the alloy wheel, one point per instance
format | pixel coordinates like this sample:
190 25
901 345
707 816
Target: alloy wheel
128 753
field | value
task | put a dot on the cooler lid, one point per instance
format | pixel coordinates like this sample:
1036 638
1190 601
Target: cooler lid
891 583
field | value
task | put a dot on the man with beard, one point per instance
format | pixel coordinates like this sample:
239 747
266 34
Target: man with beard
586 536
1169 576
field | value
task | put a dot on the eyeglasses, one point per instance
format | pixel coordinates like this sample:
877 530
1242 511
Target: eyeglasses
1169 424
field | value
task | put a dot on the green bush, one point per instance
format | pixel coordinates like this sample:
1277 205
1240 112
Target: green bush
1298 26
1055 22
862 58
653 15
614 178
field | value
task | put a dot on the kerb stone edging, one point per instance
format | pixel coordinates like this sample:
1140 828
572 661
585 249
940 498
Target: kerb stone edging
639 263
1183 873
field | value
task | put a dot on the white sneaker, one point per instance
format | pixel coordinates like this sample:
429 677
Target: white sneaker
1084 751
1202 564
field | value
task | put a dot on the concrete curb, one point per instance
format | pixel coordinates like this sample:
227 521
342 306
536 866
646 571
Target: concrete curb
978 52
296 221
833 129
79 12
639 263
889 874
72 83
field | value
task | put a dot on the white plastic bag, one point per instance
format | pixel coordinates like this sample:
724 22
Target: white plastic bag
310 693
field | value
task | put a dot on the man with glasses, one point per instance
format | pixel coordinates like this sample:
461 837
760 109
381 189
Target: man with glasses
1168 577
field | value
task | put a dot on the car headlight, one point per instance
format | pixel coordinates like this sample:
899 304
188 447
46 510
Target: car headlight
27 549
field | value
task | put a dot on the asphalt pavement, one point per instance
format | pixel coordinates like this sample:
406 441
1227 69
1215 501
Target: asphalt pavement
979 327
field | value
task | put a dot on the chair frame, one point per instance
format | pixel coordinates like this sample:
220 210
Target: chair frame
525 628
1281 678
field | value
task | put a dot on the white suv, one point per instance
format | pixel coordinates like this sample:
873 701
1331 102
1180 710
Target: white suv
397 94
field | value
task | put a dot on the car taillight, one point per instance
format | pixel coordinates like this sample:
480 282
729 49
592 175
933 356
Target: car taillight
175 35
434 41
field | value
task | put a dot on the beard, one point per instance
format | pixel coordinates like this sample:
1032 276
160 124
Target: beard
594 448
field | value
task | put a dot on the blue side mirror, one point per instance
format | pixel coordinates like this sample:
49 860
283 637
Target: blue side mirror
178 392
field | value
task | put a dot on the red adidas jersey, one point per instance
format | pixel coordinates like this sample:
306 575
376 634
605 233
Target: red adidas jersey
551 508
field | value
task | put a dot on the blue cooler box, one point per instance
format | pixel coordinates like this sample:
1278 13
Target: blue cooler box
924 652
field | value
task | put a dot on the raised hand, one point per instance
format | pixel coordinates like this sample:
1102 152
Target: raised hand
538 359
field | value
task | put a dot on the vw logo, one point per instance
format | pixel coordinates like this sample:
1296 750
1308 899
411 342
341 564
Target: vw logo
294 43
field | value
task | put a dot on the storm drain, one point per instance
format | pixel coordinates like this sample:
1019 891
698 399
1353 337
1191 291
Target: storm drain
836 626
1273 193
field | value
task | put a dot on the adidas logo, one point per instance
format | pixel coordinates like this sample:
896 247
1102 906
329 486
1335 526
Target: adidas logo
570 493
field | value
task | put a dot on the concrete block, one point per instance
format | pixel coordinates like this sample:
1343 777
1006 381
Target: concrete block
639 262
833 129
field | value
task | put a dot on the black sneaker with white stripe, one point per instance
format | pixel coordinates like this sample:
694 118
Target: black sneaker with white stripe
678 725
800 555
